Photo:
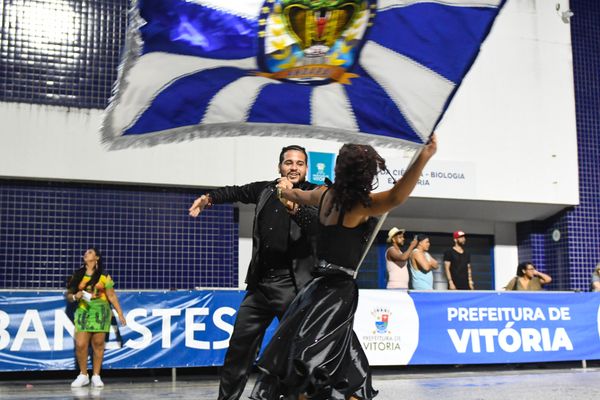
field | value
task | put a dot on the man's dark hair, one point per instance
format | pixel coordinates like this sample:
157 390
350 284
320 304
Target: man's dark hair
293 147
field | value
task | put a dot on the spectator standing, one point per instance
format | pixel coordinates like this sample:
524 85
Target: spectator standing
457 264
92 288
396 261
421 265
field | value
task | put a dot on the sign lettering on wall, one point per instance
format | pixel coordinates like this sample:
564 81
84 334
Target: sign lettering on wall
441 179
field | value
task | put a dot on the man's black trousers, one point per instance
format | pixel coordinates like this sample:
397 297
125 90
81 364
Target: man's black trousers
270 299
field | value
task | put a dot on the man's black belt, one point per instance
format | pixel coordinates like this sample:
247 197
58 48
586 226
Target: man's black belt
326 268
273 273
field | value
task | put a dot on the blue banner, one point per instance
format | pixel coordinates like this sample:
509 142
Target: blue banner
511 327
164 329
192 328
382 72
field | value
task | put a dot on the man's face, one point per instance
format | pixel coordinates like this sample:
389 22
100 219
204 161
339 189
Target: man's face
461 240
399 239
293 166
424 244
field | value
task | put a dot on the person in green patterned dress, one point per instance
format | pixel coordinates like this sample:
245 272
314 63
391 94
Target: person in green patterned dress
93 289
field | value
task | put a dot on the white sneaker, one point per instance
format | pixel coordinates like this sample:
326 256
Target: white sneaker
80 381
96 381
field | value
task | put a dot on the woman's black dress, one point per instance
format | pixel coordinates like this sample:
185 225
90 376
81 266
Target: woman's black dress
314 350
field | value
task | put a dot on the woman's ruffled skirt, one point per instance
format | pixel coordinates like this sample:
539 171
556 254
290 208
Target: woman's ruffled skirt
314 350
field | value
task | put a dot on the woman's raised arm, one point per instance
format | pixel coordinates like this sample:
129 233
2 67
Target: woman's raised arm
385 201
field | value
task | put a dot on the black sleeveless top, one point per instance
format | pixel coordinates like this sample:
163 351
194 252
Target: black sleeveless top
340 245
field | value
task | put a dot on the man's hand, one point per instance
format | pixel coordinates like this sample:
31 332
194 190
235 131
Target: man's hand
292 208
284 183
451 285
199 204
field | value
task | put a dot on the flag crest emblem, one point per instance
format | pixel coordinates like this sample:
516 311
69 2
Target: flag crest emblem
313 41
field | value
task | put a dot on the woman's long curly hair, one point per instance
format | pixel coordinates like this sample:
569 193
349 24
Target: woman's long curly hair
73 283
355 170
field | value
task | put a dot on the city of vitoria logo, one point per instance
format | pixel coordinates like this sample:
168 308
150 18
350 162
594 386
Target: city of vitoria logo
382 319
313 41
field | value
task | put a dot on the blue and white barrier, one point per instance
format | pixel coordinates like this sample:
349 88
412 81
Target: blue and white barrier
192 328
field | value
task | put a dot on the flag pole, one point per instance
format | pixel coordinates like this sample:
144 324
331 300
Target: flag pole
383 217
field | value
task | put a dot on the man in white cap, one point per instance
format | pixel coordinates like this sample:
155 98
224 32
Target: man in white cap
396 260
457 264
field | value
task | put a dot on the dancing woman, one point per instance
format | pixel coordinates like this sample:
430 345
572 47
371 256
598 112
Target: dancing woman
314 352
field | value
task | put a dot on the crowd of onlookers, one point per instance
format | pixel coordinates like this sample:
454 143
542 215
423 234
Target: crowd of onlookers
411 268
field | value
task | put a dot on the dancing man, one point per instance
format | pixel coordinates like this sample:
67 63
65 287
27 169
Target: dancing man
282 261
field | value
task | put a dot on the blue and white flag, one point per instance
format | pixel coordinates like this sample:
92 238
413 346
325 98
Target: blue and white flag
367 71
